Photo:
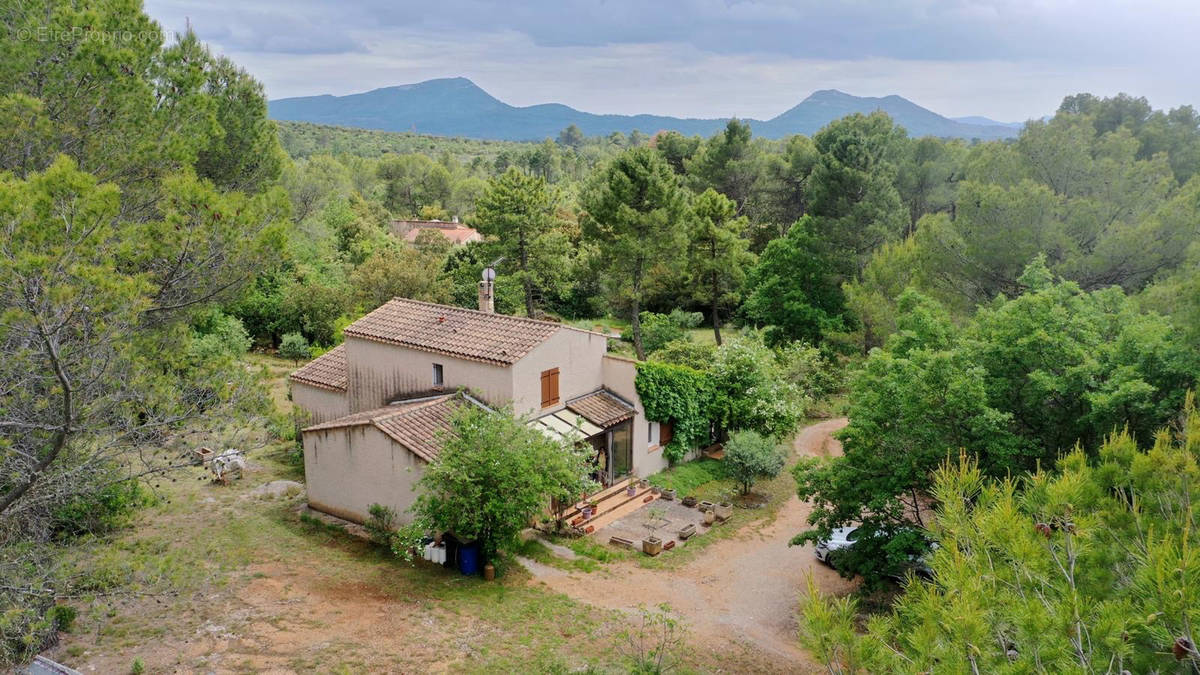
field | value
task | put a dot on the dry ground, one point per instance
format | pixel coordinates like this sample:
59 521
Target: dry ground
216 579
741 591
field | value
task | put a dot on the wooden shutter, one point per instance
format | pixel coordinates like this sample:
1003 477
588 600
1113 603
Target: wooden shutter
666 431
549 387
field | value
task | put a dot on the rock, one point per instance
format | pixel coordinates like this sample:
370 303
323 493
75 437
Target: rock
278 489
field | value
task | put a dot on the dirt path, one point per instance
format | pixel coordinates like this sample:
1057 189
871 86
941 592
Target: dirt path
742 590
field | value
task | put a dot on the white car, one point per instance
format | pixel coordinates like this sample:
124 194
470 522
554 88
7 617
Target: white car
842 537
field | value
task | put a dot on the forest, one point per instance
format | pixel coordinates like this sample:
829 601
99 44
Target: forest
1012 326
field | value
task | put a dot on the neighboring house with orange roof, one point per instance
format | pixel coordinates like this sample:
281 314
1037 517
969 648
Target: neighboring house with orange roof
377 402
456 232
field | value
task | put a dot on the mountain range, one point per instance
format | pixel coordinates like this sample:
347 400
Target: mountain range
458 107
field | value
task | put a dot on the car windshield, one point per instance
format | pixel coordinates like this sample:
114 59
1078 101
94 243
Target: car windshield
852 535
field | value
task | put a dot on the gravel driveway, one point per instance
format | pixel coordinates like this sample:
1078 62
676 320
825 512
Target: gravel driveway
742 590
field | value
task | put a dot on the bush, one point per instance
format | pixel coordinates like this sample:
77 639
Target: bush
751 392
749 457
686 320
381 524
63 617
216 335
687 353
658 330
103 510
295 347
809 369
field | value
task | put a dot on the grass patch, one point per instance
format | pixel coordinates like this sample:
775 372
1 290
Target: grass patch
588 547
604 324
537 551
693 478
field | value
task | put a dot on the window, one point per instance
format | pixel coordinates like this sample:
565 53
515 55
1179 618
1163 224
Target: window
438 379
660 434
549 387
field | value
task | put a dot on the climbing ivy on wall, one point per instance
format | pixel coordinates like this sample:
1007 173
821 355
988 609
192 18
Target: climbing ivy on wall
680 395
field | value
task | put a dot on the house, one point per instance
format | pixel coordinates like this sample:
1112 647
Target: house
378 403
457 233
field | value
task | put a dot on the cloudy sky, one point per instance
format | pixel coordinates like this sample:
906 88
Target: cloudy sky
1006 59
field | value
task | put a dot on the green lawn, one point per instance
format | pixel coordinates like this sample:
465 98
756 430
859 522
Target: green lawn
702 478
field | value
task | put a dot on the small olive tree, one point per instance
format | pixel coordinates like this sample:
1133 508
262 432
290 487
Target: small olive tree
493 476
750 456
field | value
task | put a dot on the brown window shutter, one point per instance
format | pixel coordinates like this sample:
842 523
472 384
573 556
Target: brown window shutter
666 431
549 387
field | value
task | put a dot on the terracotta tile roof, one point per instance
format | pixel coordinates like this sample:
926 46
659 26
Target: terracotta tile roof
458 235
454 231
417 425
466 333
327 371
601 408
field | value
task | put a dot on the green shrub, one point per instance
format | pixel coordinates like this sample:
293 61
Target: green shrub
750 456
217 335
698 355
63 617
381 524
686 320
294 346
103 510
658 330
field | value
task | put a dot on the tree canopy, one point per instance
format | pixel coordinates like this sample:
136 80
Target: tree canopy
1086 567
493 475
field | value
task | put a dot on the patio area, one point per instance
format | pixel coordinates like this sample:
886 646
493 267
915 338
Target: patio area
660 518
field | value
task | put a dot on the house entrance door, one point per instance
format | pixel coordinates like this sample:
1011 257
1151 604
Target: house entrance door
600 455
621 451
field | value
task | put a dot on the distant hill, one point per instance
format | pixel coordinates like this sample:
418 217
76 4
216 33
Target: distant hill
457 107
985 121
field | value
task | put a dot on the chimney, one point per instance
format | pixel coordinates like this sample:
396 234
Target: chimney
487 299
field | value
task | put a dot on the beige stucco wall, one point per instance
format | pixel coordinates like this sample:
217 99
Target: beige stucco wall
619 374
348 469
379 373
578 357
319 405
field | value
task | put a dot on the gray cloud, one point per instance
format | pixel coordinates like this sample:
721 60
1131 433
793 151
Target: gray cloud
1004 58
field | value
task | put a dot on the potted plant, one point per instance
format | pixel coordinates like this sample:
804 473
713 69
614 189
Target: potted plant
653 545
631 489
668 494
643 483
689 501
705 505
